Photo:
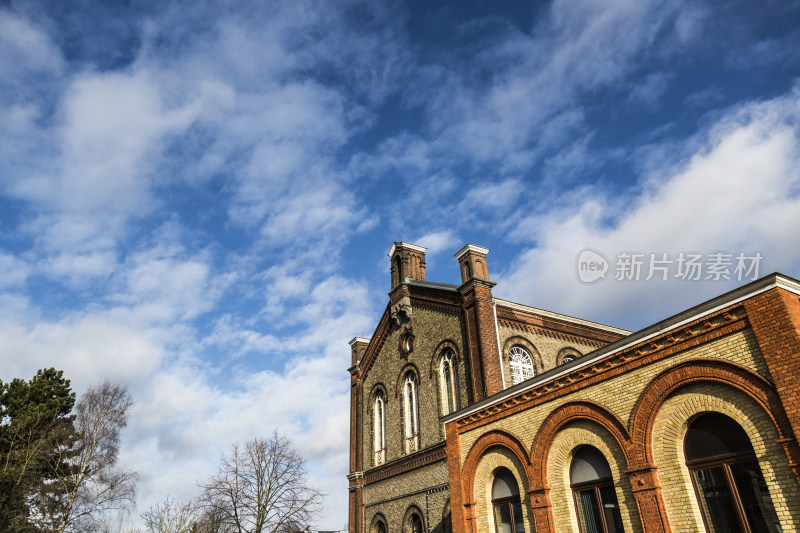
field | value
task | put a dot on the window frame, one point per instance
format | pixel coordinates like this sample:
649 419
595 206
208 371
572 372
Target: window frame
517 351
411 414
379 428
736 453
509 501
725 462
448 386
595 486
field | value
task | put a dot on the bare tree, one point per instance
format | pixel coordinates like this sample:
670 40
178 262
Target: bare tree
88 482
262 488
171 517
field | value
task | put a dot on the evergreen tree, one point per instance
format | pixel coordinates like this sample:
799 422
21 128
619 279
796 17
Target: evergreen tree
35 428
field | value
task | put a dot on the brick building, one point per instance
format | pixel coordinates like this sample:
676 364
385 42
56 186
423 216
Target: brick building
558 424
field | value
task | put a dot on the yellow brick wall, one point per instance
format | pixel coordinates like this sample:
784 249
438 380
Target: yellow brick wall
619 394
671 425
484 477
566 442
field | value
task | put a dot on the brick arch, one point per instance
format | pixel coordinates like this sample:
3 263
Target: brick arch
563 352
525 343
437 353
377 517
410 367
412 509
491 439
375 388
570 412
665 384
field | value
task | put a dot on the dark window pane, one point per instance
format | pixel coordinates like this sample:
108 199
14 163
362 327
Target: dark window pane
755 498
608 501
504 485
589 512
715 435
516 510
588 464
502 517
716 500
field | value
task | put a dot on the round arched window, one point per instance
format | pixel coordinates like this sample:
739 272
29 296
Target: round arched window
521 364
593 490
506 503
727 479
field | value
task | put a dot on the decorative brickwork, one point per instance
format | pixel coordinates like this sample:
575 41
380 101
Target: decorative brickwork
646 408
775 318
670 427
404 464
565 414
580 432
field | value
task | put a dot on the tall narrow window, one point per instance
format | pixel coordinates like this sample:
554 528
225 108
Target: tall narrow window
727 479
379 428
447 383
411 411
506 503
593 490
521 365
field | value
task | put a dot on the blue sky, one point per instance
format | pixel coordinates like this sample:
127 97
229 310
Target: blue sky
197 198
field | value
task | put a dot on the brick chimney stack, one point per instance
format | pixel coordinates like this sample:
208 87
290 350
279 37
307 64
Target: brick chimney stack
472 260
408 261
476 289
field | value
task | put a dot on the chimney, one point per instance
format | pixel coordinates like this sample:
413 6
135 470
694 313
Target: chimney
357 348
482 341
473 262
408 262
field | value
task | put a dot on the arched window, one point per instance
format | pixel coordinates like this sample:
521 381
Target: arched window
416 523
448 382
506 503
378 525
727 480
379 428
593 491
521 364
567 359
411 408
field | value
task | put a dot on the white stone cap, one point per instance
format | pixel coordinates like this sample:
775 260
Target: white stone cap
359 339
470 248
403 244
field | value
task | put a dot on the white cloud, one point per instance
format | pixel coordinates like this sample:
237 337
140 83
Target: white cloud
13 271
24 48
739 192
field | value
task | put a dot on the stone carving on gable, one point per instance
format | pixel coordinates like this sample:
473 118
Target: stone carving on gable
406 342
401 311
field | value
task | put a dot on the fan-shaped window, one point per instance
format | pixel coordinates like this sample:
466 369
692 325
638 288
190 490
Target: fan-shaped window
447 383
593 490
506 503
567 359
379 428
727 479
411 407
521 365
